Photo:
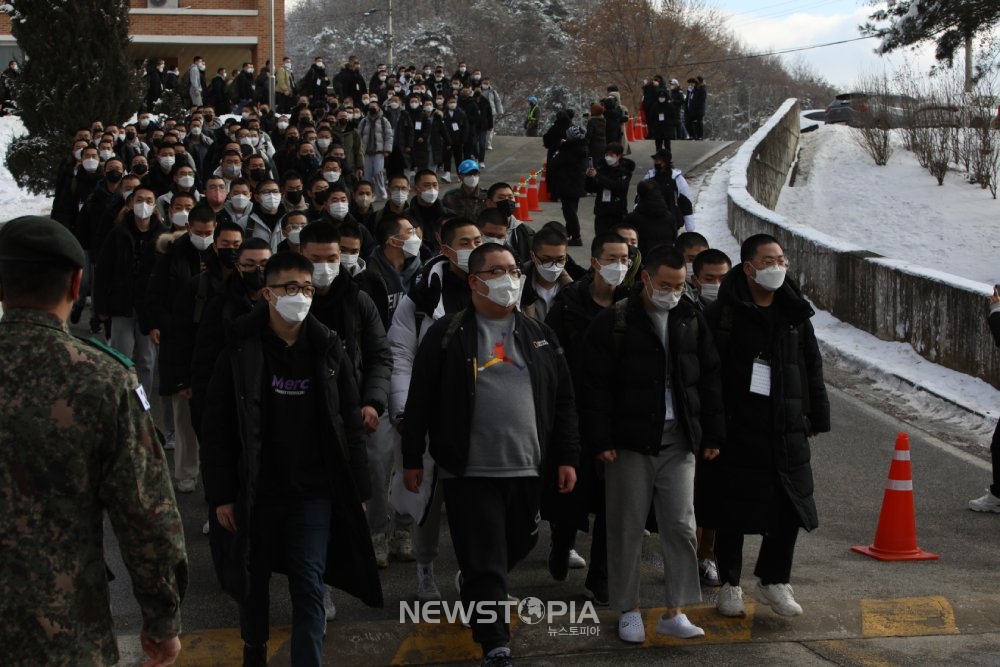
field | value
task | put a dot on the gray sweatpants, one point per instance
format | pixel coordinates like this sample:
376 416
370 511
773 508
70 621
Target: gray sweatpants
632 482
383 454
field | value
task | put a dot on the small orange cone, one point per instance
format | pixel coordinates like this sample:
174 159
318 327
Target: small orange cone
629 131
543 189
521 197
533 206
896 535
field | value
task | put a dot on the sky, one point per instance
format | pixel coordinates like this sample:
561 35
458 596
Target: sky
766 25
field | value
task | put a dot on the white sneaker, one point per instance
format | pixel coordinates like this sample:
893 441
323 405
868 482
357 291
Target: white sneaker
730 602
401 547
678 626
780 598
328 607
709 572
446 177
988 503
427 588
205 528
186 485
381 546
631 628
576 561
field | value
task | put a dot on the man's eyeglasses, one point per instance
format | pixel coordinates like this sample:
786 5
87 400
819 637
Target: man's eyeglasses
500 272
291 289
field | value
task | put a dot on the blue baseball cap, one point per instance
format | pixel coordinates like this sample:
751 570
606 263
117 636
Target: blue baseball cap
468 166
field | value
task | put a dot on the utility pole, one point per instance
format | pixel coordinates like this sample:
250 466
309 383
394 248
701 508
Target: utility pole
391 63
274 64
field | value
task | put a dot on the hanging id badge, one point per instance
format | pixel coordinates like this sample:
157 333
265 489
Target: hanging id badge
760 377
668 405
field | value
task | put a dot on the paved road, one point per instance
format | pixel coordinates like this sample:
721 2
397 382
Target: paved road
857 611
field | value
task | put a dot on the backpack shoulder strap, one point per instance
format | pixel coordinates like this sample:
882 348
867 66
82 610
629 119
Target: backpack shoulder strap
453 324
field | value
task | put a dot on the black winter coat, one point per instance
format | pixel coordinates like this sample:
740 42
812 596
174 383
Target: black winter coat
456 127
231 448
442 397
630 414
767 452
177 342
661 117
615 180
122 270
177 260
597 138
566 174
654 222
554 136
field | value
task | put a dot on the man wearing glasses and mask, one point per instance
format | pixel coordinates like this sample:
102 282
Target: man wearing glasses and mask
280 482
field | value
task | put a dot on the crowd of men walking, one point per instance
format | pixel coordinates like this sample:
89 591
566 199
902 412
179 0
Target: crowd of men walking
341 376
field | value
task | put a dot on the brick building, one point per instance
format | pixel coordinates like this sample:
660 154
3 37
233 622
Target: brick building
226 33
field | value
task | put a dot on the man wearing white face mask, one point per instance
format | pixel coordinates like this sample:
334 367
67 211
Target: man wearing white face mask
281 443
504 451
546 274
337 210
426 208
267 211
468 199
775 401
441 289
648 431
710 267
238 204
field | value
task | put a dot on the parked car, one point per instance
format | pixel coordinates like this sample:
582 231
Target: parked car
950 115
867 109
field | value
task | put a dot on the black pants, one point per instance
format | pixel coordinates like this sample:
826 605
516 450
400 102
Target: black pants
457 151
777 550
564 537
995 455
569 208
494 525
695 128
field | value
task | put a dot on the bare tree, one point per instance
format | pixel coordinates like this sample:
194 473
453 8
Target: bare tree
871 132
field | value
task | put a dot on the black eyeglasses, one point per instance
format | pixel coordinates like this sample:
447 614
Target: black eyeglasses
291 289
500 272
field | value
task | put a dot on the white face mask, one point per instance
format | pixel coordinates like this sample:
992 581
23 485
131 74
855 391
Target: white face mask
414 105
90 165
398 197
411 246
689 268
323 144
179 218
338 210
549 272
331 176
349 262
364 201
293 309
142 210
200 242
611 160
106 154
771 279
614 273
167 161
664 299
393 105
429 196
498 240
185 181
240 202
470 181
504 290
270 201
293 236
324 273
196 130
709 292
282 125
462 258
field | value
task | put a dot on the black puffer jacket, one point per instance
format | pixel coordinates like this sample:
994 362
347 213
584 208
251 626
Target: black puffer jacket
566 174
123 270
767 451
615 180
653 221
231 448
624 380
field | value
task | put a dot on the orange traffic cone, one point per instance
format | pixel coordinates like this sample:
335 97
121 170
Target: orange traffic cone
533 193
543 189
629 131
896 536
521 212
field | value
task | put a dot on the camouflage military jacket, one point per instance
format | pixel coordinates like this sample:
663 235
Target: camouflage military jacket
77 440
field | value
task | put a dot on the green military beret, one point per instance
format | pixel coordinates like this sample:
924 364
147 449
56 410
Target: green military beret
35 238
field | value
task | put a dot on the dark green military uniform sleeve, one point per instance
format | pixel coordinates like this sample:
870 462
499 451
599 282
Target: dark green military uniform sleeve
135 489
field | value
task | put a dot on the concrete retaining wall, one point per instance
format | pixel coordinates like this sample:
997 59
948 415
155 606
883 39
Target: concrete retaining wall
943 317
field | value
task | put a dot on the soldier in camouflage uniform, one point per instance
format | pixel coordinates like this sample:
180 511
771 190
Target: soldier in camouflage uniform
76 440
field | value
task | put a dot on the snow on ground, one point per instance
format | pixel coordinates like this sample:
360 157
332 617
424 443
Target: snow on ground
947 395
14 201
897 210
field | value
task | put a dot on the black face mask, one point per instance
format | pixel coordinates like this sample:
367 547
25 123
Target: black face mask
227 256
113 176
506 207
294 197
209 119
253 280
140 169
258 174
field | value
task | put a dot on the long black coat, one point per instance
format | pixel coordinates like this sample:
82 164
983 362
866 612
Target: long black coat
566 174
766 454
231 446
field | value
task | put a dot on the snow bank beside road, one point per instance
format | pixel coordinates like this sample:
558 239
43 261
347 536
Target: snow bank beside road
897 210
13 201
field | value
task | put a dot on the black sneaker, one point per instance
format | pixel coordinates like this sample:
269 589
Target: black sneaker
558 563
498 658
576 241
597 590
254 656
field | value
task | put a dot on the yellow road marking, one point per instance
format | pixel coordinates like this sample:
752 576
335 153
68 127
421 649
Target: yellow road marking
718 629
223 647
907 617
437 642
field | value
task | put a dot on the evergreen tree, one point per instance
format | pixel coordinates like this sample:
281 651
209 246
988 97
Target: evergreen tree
75 71
950 24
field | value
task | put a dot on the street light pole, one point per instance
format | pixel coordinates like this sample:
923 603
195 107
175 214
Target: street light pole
271 69
391 62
